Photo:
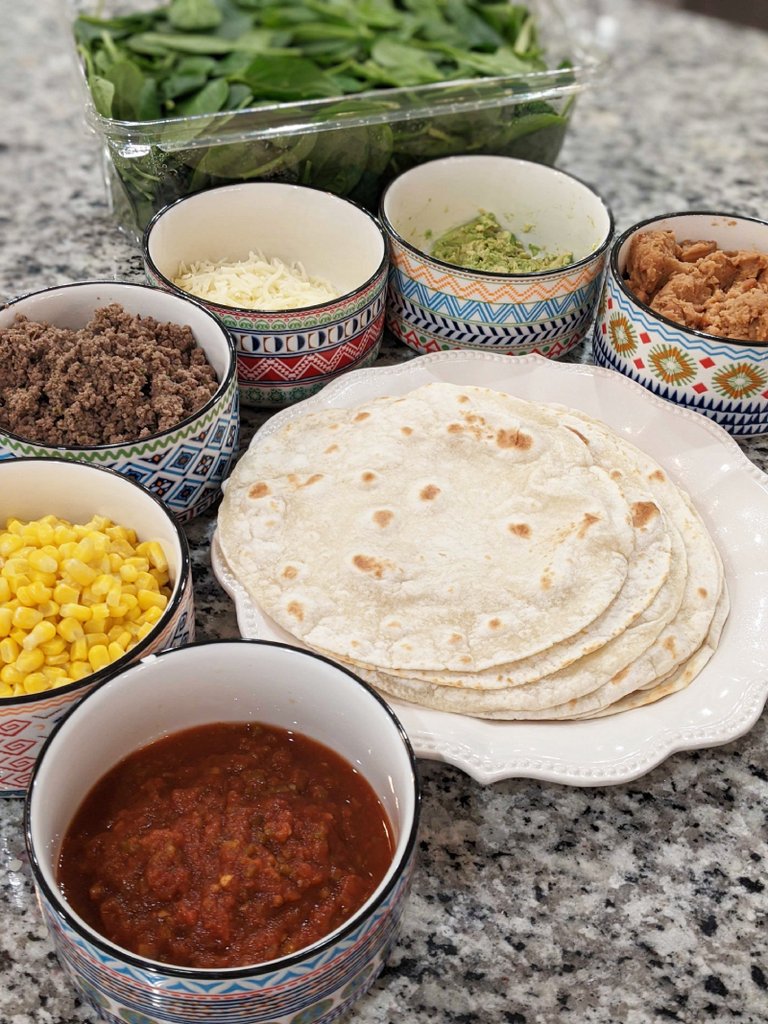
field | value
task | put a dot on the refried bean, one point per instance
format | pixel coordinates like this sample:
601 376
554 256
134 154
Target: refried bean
701 286
120 378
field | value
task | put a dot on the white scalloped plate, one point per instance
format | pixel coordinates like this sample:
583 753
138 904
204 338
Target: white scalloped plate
729 491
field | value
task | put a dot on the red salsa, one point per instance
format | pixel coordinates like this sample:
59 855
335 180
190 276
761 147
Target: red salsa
225 846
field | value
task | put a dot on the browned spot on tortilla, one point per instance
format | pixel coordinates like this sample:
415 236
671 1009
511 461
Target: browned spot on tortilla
578 434
292 479
703 592
334 426
270 522
429 493
368 477
406 430
643 513
366 563
394 625
615 474
296 610
520 529
333 448
657 475
290 572
514 439
472 417
407 647
455 428
383 517
462 398
312 480
621 675
494 624
669 645
361 416
258 490
454 638
353 643
465 660
587 521
546 581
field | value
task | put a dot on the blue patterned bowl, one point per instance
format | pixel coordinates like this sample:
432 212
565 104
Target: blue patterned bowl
287 355
434 305
237 680
183 466
724 379
32 488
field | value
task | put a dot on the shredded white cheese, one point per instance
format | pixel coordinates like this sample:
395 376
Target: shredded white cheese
255 283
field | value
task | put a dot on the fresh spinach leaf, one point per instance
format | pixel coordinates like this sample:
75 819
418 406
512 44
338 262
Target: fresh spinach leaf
181 85
128 82
205 44
411 66
149 104
208 100
103 92
194 15
286 78
196 66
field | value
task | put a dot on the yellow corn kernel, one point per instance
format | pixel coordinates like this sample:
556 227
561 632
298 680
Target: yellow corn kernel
146 582
6 690
49 610
48 579
36 682
133 615
102 585
115 561
151 615
6 620
129 573
156 556
44 533
75 611
80 669
30 661
115 651
18 581
101 523
5 590
19 635
70 629
14 568
86 549
150 599
55 646
65 594
141 564
52 672
67 550
64 681
94 626
78 651
11 675
145 628
42 561
57 659
9 543
123 548
87 598
13 525
100 611
119 611
161 578
25 596
79 571
124 639
9 650
96 640
115 632
116 532
64 535
129 600
42 632
26 618
112 600
98 657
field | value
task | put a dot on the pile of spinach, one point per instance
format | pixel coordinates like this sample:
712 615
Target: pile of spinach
208 57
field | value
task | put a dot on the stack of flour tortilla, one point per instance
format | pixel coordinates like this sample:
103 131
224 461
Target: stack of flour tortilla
471 552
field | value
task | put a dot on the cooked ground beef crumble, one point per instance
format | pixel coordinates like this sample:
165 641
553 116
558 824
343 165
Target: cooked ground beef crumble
120 378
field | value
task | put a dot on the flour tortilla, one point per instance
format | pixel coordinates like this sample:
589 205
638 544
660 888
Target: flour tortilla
448 530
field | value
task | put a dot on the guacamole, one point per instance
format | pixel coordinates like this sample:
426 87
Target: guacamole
483 244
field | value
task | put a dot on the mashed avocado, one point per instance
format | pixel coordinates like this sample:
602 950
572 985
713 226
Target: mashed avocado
483 244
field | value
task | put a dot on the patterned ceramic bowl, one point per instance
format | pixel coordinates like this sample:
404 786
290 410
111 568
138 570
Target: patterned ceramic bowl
283 356
725 380
237 680
434 305
184 466
32 488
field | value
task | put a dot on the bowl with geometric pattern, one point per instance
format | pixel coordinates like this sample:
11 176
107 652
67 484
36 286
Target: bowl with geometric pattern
722 378
433 305
183 466
283 355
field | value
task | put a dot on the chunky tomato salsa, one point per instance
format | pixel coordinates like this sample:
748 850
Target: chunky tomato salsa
225 846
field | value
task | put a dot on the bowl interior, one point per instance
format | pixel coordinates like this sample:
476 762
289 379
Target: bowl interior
728 232
231 681
331 237
560 213
72 306
32 488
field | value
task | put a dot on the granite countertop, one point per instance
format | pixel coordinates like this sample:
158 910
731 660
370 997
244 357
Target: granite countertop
532 903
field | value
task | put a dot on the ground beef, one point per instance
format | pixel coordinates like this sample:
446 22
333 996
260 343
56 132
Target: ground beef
698 285
118 379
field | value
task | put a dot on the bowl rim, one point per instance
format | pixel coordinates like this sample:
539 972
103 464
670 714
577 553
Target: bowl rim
276 313
177 596
221 390
116 952
617 275
496 274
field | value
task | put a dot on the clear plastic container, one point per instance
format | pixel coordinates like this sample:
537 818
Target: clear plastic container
353 145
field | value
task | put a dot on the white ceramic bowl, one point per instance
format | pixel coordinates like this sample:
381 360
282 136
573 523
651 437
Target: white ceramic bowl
32 488
286 355
724 379
183 466
226 681
433 305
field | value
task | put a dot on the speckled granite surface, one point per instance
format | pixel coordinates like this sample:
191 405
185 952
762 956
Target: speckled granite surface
532 903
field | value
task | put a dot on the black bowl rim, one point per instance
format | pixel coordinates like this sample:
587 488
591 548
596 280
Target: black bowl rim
496 274
221 390
184 578
616 273
227 973
170 286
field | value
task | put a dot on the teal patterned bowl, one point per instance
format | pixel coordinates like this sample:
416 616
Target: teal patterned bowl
184 467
